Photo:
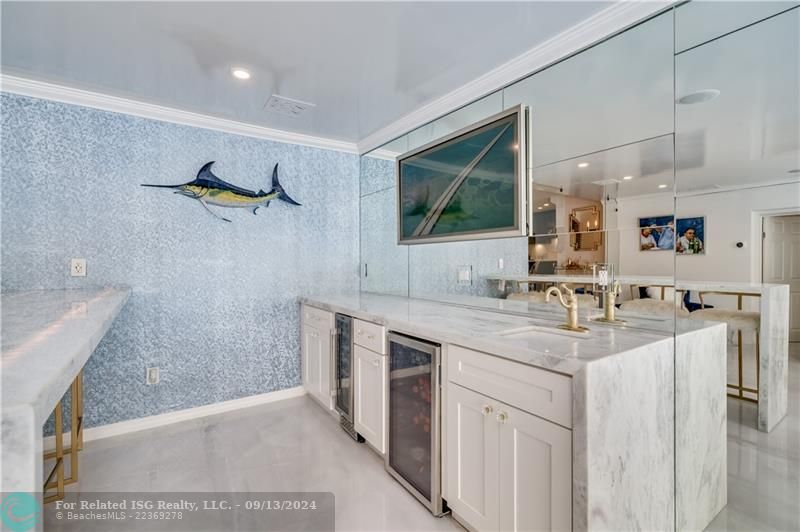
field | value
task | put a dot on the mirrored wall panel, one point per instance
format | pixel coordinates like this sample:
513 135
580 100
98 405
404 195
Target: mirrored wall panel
458 119
737 130
617 92
383 264
627 188
738 109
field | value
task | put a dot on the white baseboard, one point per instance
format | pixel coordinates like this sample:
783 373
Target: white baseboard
160 420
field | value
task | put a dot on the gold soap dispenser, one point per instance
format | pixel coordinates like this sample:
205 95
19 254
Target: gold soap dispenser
605 283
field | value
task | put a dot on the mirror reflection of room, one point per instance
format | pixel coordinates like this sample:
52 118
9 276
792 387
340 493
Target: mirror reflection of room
598 209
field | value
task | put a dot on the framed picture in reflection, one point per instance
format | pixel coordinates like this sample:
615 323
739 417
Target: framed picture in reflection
691 236
657 233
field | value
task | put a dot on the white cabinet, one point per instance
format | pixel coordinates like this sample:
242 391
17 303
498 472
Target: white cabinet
316 355
472 456
535 472
506 469
370 396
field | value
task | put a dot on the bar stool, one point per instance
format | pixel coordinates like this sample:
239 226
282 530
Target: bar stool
742 322
56 480
653 307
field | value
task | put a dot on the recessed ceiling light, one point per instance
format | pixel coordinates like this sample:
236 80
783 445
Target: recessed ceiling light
662 186
545 204
240 73
627 177
539 208
583 165
701 96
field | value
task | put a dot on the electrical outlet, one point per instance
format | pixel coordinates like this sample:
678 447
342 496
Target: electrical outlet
465 275
152 375
77 267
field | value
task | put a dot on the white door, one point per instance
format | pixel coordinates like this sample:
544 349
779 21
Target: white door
472 458
782 262
316 350
535 472
370 396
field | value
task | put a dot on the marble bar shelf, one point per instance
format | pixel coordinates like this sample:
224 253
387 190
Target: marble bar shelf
773 307
47 337
647 417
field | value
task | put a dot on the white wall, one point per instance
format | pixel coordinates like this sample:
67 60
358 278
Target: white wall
731 216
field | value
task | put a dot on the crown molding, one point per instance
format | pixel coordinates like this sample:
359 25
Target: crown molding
381 153
599 26
115 104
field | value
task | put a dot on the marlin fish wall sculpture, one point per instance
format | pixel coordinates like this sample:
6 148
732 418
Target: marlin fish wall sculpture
208 189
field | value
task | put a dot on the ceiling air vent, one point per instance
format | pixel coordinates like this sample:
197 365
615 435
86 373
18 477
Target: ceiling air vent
287 106
604 182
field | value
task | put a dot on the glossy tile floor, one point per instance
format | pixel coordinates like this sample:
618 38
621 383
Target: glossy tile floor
294 446
764 469
291 445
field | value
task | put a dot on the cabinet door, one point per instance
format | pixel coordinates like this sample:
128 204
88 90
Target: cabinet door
370 396
535 472
472 457
316 349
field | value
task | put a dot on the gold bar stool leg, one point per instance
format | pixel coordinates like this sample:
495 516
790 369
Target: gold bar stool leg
741 377
758 364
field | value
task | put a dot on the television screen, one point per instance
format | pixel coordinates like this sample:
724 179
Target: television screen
467 185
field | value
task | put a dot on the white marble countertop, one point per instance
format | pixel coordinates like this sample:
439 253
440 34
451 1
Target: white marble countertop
652 280
484 323
47 337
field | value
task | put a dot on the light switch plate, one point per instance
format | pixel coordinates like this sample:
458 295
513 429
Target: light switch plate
465 274
77 268
500 264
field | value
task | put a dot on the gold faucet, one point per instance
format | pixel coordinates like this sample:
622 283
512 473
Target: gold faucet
569 301
610 305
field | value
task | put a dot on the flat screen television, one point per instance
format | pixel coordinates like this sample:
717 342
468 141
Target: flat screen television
468 185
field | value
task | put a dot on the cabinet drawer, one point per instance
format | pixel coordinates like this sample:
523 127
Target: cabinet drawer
370 335
534 390
319 318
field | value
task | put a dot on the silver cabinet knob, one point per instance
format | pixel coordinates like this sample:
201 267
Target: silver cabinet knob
486 410
502 417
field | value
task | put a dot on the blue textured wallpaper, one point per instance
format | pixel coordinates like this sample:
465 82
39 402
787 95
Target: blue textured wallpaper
213 303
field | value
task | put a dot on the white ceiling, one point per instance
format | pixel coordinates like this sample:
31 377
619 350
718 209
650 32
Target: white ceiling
364 65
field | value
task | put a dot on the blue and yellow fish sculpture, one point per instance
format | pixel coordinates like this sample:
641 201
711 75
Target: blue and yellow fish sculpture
208 189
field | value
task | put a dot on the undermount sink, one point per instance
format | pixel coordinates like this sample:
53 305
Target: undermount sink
534 330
